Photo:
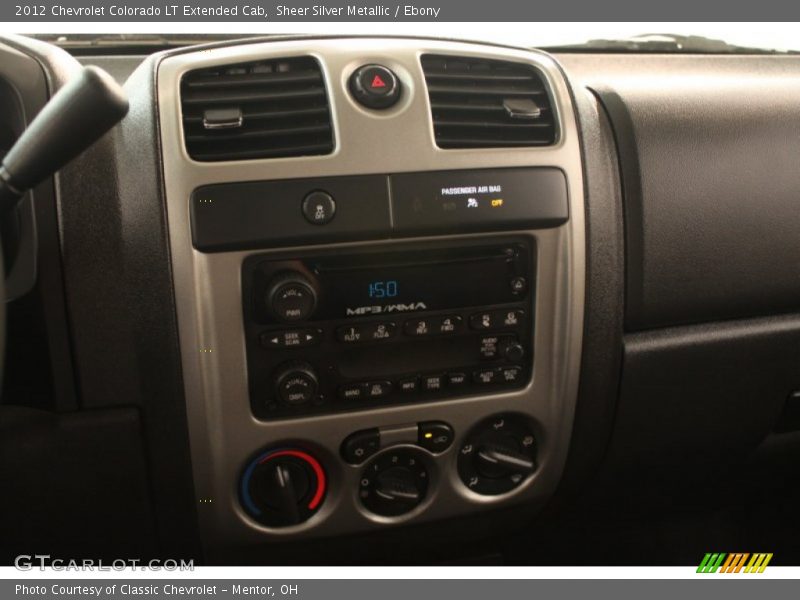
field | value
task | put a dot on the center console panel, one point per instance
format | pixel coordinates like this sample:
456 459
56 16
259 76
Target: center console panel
386 329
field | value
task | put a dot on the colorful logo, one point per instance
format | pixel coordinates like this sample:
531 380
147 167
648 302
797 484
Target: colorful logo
734 562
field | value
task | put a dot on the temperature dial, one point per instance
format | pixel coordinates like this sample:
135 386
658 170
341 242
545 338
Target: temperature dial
283 486
394 483
497 456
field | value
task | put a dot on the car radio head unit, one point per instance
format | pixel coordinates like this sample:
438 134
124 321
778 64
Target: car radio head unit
336 331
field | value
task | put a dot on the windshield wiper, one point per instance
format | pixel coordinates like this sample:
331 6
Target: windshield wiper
665 43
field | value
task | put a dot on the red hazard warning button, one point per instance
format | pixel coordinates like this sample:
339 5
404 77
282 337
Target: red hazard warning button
375 86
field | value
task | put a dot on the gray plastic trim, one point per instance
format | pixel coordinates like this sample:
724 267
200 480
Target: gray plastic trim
223 432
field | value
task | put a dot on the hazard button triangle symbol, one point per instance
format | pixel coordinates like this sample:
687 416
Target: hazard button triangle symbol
377 82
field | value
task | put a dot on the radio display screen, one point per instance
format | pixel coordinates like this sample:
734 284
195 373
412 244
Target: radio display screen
407 282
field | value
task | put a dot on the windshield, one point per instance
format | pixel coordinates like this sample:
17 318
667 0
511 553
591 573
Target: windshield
616 37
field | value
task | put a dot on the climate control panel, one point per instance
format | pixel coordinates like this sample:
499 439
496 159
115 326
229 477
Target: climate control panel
335 332
395 469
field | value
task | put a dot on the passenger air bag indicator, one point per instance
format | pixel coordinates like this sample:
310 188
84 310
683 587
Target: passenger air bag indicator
479 200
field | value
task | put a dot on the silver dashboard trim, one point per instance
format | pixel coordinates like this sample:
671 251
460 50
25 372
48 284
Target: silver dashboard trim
223 432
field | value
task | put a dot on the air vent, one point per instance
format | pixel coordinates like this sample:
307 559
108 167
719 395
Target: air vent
479 103
264 109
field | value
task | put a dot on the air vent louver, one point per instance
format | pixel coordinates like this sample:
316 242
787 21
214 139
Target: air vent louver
265 109
478 103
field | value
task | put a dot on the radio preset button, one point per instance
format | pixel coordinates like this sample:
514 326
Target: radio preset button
417 327
378 389
353 391
507 318
432 383
349 334
379 331
291 338
409 385
370 332
484 320
449 324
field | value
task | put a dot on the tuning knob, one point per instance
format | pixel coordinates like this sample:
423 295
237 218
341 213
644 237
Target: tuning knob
296 383
497 455
290 297
283 487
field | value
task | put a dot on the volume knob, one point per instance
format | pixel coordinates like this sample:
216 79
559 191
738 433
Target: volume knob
291 297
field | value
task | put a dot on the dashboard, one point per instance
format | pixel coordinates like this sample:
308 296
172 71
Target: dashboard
327 292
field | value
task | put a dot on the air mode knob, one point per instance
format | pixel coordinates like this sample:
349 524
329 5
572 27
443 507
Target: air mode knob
283 486
498 455
291 297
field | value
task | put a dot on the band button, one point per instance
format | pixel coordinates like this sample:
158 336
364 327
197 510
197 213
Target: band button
352 391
